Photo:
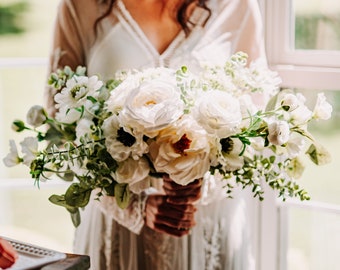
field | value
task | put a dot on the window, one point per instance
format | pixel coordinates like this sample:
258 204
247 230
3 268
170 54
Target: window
25 37
303 45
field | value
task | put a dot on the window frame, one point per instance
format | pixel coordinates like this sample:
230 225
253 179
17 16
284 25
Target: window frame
304 69
321 67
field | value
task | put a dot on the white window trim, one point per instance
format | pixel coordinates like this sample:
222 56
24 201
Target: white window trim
297 68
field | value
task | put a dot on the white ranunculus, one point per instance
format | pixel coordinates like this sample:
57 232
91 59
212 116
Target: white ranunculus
182 151
218 112
122 143
322 110
29 147
36 116
132 171
12 157
278 132
153 105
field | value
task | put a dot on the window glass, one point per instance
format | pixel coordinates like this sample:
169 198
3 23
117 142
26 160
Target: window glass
317 24
313 239
25 212
322 182
19 89
311 233
25 27
27 215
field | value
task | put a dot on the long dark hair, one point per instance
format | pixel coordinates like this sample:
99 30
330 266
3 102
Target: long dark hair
181 14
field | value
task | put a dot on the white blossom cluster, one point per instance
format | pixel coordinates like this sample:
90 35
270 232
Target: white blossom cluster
231 121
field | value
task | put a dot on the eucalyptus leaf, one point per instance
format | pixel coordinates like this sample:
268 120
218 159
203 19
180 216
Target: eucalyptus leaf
271 105
295 168
58 200
77 196
122 195
67 176
75 217
319 154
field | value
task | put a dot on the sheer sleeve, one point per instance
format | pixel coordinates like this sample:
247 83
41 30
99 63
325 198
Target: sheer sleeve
72 37
67 46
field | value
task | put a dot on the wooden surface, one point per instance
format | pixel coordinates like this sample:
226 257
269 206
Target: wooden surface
72 262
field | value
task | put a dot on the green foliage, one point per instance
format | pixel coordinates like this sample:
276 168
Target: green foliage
10 17
306 35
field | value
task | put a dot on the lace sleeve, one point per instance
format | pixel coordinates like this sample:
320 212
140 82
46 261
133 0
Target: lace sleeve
131 217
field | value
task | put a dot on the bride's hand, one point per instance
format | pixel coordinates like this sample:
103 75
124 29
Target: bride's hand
173 213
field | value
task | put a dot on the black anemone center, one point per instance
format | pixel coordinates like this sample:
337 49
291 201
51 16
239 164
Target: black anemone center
227 145
125 138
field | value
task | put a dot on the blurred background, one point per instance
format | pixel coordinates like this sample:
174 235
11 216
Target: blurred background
309 235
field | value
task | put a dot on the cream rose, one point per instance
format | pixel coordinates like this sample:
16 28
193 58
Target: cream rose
218 112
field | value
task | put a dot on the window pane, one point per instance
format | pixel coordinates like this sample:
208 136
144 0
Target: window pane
26 27
19 89
322 182
313 240
317 24
27 215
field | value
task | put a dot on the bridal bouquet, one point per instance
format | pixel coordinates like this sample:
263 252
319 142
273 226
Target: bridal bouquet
119 136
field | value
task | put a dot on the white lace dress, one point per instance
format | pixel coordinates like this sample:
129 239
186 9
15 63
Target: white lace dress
118 239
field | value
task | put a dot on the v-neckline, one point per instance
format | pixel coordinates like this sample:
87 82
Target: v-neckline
140 35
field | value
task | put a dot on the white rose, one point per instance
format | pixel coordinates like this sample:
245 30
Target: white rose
122 143
118 96
182 151
322 110
278 132
218 112
36 116
132 171
152 106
